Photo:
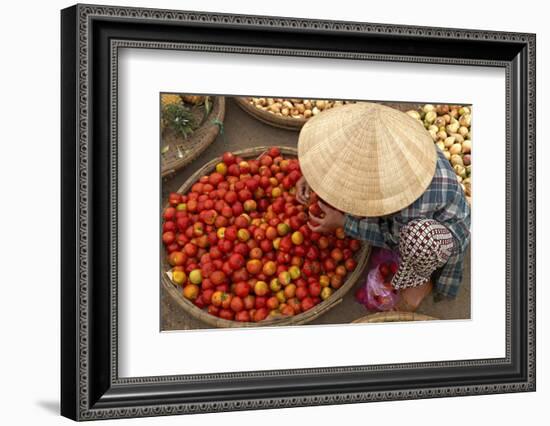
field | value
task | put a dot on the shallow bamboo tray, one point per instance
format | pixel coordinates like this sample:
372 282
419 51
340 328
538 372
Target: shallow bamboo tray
183 151
362 257
393 316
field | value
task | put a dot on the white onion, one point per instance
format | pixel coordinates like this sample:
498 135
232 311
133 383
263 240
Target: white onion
428 108
449 141
455 149
465 120
456 160
430 117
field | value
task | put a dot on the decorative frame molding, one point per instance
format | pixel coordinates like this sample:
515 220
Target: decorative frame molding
84 397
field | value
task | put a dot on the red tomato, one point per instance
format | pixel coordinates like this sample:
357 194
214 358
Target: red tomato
249 302
223 287
213 310
172 248
168 238
228 158
307 304
242 289
226 314
236 304
207 295
274 151
242 316
314 289
168 226
260 314
260 302
301 293
217 277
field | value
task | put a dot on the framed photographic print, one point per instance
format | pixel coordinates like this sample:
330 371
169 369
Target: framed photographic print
262 212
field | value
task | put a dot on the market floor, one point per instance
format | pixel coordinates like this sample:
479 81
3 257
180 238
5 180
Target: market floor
242 131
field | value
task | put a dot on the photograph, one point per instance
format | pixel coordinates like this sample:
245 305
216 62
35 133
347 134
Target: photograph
281 211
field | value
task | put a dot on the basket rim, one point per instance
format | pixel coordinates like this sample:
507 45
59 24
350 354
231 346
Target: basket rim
295 124
288 123
393 316
362 257
210 131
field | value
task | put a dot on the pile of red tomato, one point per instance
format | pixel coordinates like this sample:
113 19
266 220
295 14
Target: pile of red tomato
239 245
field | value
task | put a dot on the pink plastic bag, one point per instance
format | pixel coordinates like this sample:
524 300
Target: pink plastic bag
377 294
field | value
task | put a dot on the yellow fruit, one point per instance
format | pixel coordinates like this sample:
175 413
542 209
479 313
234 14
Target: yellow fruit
167 99
294 272
179 277
195 276
284 278
221 168
243 235
191 291
194 99
326 292
283 229
297 238
275 285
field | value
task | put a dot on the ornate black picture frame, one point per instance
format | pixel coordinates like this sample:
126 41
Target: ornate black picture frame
91 36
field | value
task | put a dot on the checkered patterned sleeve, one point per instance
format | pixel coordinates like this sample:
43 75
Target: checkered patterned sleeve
456 212
456 217
366 229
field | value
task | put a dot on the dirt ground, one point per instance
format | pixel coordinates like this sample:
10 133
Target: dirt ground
243 131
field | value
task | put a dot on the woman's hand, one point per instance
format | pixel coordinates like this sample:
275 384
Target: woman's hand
302 191
333 219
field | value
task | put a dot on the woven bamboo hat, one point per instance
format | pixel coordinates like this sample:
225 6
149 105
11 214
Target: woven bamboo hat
366 159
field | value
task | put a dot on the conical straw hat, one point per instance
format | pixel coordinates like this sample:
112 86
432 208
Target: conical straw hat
366 159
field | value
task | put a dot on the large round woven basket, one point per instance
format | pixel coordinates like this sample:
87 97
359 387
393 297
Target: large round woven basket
175 292
393 316
178 152
296 124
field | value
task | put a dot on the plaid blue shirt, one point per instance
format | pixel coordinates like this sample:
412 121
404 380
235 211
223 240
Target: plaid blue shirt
443 201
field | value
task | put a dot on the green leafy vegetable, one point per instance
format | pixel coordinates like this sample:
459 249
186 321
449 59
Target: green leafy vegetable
207 108
179 119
